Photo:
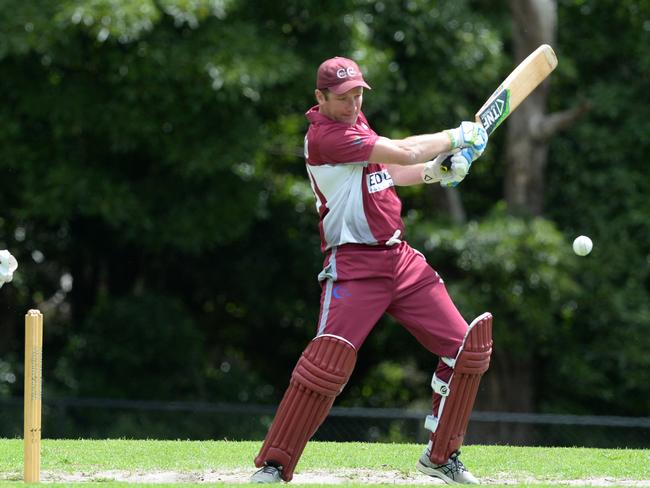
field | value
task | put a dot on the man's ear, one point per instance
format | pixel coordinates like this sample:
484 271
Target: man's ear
321 97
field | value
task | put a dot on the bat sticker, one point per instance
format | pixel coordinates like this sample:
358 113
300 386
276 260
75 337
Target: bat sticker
496 111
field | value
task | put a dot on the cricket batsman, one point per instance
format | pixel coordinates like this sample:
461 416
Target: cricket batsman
370 269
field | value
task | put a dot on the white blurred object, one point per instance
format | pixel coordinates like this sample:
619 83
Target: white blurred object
582 245
8 265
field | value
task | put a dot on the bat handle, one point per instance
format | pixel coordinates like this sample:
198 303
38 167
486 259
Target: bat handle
446 164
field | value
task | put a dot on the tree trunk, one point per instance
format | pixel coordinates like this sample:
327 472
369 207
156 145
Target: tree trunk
506 387
534 23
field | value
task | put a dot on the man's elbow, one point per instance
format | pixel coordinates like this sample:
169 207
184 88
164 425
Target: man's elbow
406 157
388 152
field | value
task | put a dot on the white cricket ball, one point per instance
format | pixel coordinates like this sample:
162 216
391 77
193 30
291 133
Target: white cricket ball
582 245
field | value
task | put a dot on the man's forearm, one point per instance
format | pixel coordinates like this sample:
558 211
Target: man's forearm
406 175
426 146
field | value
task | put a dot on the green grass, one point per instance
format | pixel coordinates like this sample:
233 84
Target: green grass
542 466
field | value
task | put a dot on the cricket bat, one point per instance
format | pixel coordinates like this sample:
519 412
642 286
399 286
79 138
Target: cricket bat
514 90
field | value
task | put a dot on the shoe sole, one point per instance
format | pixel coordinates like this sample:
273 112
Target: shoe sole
435 473
264 481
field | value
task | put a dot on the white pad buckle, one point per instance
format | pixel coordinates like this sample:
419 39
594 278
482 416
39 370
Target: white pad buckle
442 389
431 423
439 386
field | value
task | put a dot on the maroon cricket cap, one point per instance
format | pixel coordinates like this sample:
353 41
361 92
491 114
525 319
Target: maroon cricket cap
339 75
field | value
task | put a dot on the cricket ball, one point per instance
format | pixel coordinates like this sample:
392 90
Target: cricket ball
582 245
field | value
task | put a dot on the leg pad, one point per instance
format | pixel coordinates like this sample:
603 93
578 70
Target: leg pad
319 376
472 361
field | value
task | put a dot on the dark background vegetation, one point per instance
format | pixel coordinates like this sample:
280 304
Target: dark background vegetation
153 192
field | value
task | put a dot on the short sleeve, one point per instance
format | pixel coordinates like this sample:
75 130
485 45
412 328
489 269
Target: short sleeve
349 145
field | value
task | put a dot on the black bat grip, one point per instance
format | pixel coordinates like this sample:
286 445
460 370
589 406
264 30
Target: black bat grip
446 164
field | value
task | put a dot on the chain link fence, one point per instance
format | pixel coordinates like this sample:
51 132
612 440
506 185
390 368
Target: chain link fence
108 418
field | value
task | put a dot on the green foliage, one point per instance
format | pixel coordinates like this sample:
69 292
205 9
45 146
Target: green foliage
598 186
7 378
150 167
428 47
520 270
123 340
389 383
130 122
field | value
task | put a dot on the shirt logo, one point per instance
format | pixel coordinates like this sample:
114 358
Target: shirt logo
379 181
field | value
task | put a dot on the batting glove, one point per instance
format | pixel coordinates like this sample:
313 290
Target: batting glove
461 161
468 134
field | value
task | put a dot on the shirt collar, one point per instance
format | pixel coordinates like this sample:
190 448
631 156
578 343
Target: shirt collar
315 117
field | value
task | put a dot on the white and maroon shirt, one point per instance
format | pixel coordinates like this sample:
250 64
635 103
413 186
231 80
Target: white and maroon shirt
356 200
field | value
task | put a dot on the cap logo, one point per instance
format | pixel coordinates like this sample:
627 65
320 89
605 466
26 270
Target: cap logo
345 72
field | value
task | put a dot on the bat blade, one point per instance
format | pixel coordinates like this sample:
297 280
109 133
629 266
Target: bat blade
515 88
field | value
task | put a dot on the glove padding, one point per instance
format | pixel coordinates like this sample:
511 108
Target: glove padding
468 134
461 162
8 265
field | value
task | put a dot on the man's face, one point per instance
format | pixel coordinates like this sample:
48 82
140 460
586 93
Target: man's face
342 108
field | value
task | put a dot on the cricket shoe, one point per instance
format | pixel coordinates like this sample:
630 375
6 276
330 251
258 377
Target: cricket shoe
452 472
268 474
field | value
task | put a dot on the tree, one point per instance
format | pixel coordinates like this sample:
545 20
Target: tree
150 154
530 128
